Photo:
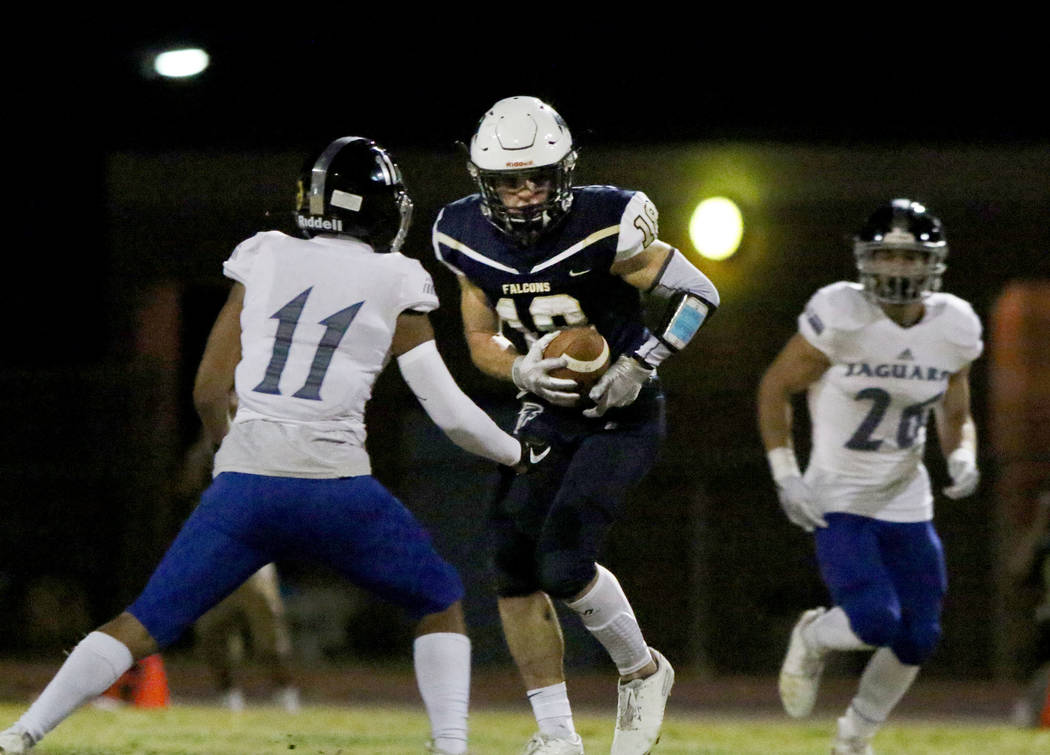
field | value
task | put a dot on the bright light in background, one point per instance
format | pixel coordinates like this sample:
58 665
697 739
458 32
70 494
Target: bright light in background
179 64
716 228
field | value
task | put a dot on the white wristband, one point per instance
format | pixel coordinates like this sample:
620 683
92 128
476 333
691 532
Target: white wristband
963 454
782 463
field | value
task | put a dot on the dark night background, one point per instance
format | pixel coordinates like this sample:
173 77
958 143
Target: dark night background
132 191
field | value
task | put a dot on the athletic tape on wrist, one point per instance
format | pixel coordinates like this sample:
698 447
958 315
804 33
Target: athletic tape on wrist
782 463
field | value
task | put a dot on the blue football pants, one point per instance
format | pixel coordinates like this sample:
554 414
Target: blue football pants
351 524
889 578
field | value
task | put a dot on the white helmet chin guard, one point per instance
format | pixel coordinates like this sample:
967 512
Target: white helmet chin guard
519 139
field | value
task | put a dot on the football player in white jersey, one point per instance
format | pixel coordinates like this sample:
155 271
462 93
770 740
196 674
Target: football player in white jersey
876 358
307 328
533 254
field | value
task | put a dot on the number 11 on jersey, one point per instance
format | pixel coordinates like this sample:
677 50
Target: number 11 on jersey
287 318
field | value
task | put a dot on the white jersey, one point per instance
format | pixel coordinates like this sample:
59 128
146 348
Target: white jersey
316 327
869 410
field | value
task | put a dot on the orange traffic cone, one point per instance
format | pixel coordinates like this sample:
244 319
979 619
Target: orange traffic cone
144 685
1044 717
152 689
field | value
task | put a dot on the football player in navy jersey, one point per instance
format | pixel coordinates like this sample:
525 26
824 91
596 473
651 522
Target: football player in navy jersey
308 326
876 357
534 254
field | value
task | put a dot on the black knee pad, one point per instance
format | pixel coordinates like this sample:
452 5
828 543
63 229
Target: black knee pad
565 574
514 570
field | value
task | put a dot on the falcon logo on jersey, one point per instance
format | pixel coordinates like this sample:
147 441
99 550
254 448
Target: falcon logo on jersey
899 371
319 224
529 411
527 288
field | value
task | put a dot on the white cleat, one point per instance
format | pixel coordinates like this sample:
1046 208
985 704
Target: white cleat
848 742
545 744
801 670
640 710
14 741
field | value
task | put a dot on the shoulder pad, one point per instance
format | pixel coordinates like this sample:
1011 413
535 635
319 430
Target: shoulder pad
639 226
435 240
961 325
417 287
239 265
841 306
254 243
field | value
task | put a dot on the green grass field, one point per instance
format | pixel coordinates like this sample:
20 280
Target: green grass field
345 731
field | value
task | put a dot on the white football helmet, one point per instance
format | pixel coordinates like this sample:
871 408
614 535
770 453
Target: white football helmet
523 139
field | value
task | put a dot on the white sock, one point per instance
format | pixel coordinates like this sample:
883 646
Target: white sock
882 685
608 616
442 662
95 664
832 631
553 714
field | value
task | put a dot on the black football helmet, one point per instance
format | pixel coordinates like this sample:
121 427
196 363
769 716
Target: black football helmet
354 187
901 224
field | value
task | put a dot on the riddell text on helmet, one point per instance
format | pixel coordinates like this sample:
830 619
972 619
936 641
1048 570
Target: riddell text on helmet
319 224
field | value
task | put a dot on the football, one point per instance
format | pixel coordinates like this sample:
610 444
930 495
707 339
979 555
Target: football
586 351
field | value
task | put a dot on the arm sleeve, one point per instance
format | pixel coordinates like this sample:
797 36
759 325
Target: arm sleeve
692 299
452 410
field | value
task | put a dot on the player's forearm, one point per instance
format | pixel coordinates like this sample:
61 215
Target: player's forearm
211 398
492 354
215 417
958 432
690 299
452 410
774 414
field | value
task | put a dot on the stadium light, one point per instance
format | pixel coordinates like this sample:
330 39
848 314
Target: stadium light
181 64
716 228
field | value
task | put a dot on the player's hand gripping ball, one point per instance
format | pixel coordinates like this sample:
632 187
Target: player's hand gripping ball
586 352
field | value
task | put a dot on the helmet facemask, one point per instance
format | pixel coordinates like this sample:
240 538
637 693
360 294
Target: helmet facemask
526 223
900 253
522 143
404 209
892 279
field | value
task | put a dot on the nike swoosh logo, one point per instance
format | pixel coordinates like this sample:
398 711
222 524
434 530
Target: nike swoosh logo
575 274
536 459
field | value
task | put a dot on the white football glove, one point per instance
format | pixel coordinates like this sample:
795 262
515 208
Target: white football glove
797 501
962 466
530 373
619 386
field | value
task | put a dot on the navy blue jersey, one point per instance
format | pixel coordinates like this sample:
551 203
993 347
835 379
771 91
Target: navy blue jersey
563 279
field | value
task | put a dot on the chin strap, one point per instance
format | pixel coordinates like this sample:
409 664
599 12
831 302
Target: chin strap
691 300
